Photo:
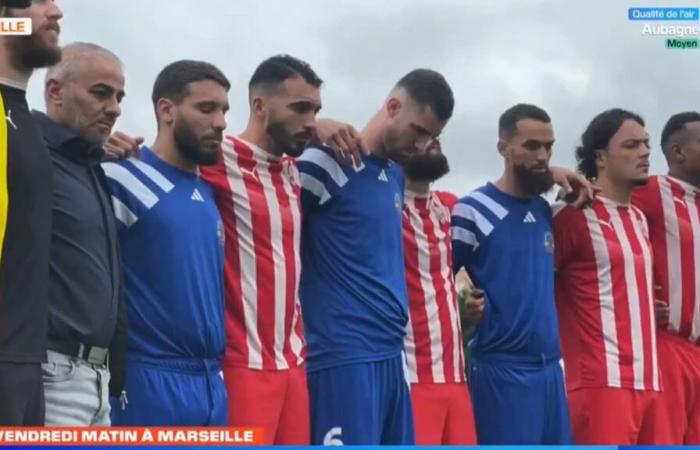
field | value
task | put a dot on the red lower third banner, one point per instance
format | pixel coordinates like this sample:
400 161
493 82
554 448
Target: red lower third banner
132 436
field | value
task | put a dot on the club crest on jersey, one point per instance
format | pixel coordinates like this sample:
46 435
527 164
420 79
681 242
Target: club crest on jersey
397 203
220 232
549 242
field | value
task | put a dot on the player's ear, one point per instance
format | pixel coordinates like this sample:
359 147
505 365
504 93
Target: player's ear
502 147
393 106
166 111
53 91
601 159
677 153
258 107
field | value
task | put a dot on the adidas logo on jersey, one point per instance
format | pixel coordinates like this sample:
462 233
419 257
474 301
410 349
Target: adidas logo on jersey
529 218
382 177
196 196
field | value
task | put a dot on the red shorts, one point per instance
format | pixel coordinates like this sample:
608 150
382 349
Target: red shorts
443 414
676 413
610 416
277 401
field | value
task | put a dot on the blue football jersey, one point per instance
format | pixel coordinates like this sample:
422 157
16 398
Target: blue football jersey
353 285
172 242
506 245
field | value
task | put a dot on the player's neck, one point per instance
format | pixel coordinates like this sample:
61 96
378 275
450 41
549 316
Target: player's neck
372 136
683 175
166 149
9 74
418 187
616 192
256 135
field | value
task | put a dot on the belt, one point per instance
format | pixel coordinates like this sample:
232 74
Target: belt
89 353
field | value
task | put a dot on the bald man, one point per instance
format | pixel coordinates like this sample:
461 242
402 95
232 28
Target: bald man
87 318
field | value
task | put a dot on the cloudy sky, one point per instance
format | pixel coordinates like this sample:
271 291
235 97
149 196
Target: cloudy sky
573 58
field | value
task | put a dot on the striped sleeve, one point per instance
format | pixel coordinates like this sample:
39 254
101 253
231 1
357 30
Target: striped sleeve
134 189
473 219
320 176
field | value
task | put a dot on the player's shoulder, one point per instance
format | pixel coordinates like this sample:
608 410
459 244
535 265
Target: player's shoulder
446 199
566 214
316 154
485 201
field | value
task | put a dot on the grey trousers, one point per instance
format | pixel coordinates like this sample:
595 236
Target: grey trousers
76 391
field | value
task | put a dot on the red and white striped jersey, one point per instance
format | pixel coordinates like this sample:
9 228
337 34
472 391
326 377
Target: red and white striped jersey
604 296
258 198
671 208
434 337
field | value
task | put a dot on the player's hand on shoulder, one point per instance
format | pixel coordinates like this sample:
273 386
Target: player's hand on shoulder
345 141
575 188
121 146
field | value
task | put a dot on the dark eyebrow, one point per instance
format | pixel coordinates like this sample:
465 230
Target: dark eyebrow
538 142
420 129
108 87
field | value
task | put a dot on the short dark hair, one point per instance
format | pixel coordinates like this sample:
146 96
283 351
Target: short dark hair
428 87
277 69
676 123
172 81
508 122
597 137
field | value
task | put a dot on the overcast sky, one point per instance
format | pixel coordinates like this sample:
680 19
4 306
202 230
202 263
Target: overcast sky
573 58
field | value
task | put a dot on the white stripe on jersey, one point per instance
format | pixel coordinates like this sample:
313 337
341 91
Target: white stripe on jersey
446 274
470 213
123 213
431 307
466 236
327 163
132 184
247 257
607 302
490 203
632 294
296 341
316 187
280 280
154 175
648 272
673 250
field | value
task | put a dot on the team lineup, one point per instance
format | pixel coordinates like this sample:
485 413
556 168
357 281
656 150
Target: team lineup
300 276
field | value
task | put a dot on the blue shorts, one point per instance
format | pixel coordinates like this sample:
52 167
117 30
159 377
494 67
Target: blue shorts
172 392
361 404
516 403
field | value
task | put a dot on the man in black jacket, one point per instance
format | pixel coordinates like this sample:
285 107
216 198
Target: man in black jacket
25 215
87 314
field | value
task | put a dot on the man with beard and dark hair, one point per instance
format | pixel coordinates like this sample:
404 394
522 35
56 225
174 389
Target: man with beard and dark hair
670 204
502 236
25 217
257 191
353 283
605 294
172 241
442 406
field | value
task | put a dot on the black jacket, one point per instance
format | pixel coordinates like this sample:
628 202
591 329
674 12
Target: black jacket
86 298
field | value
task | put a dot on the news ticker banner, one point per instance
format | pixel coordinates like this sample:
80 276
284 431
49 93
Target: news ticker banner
184 437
